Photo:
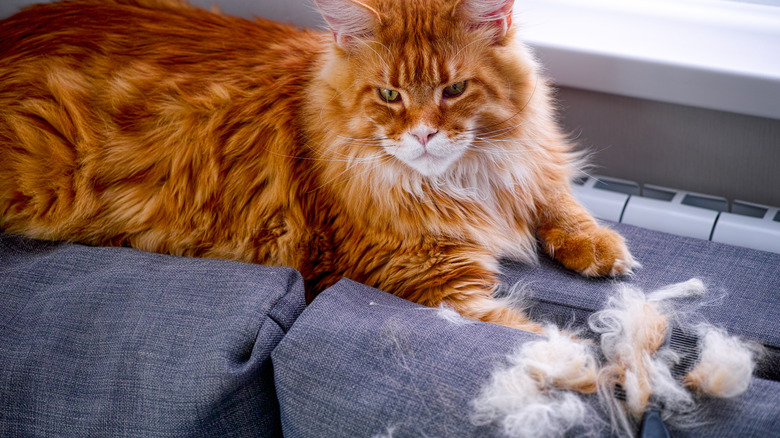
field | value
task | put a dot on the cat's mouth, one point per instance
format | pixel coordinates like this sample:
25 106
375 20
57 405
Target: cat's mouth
433 159
427 155
429 162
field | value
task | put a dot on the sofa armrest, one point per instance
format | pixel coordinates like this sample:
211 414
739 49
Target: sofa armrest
118 342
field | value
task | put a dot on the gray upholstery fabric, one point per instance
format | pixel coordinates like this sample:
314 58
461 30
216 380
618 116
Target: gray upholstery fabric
116 342
386 367
383 365
394 366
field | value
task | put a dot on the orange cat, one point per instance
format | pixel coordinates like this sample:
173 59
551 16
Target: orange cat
408 149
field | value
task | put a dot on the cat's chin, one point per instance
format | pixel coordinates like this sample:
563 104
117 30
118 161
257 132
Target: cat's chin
433 162
429 165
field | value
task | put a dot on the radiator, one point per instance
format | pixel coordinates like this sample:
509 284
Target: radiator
683 213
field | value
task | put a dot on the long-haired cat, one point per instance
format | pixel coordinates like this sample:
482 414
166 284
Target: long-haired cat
409 148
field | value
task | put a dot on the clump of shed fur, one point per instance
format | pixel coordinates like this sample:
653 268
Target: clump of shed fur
531 397
535 395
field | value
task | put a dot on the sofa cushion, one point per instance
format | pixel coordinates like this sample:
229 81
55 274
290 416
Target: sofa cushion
117 342
360 363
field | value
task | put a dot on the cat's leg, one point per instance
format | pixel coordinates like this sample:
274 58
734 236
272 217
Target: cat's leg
479 305
458 275
557 360
571 235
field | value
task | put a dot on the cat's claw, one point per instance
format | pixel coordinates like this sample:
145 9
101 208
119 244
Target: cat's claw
593 252
624 267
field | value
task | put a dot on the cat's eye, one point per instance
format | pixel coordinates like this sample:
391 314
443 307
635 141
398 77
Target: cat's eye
389 95
455 89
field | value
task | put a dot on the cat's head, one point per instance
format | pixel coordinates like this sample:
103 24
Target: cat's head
428 85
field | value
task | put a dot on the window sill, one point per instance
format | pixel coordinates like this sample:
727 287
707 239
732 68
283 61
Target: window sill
706 53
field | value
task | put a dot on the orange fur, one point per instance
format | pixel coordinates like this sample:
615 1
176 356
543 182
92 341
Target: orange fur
167 128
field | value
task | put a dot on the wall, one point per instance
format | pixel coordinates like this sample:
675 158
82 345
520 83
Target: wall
712 152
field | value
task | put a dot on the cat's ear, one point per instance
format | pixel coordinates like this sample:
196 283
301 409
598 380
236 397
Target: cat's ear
496 14
348 19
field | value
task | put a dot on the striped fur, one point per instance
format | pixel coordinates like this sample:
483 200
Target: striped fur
164 127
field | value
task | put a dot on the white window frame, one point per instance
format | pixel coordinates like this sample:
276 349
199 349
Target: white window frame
714 54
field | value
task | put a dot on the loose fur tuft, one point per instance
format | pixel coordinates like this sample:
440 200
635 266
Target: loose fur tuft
448 314
634 328
529 398
691 288
631 330
726 364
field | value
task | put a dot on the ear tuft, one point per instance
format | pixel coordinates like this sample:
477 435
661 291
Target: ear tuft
348 19
497 13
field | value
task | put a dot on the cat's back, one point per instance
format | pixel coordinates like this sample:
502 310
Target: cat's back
161 30
142 121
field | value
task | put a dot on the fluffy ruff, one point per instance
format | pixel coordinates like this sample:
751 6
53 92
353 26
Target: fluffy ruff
540 392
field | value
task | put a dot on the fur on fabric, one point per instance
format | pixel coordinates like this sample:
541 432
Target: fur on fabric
633 327
529 398
726 363
636 373
447 314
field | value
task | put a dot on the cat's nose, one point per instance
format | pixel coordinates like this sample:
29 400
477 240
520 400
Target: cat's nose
424 134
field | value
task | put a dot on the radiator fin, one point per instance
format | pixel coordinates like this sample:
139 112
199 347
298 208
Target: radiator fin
683 213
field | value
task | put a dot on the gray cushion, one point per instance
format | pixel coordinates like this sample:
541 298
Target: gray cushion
116 342
360 363
386 365
383 364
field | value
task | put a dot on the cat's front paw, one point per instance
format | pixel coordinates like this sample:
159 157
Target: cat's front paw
592 251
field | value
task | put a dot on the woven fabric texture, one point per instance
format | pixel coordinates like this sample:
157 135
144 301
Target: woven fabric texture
116 342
